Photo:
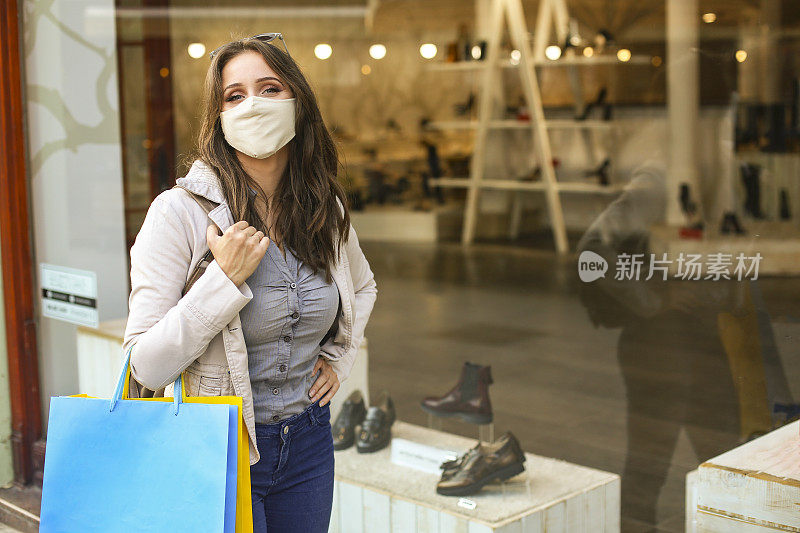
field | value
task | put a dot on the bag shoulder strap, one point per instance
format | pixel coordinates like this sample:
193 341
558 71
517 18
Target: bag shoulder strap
200 268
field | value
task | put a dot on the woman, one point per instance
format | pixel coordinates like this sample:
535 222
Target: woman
288 269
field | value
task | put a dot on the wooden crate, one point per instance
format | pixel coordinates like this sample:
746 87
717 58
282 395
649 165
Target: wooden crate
374 495
755 487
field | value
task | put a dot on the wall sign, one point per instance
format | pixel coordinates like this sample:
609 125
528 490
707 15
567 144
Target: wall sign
69 294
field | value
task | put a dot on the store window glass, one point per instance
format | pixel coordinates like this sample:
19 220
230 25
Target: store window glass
581 216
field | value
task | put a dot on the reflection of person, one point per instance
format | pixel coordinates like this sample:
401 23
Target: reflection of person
676 371
261 321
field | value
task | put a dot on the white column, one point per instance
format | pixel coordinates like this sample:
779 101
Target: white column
683 98
769 75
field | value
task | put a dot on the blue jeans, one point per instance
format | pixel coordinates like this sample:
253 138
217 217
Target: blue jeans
292 483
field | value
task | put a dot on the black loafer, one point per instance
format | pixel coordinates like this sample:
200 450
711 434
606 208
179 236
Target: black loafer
376 430
344 428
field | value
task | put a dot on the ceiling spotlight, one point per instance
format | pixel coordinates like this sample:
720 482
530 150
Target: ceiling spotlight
588 51
476 52
365 70
196 50
377 51
428 50
515 57
624 55
552 52
709 18
741 56
323 51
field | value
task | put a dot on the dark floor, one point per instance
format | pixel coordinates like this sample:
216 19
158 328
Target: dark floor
560 384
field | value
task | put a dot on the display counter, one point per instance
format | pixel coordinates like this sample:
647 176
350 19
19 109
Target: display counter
754 488
374 494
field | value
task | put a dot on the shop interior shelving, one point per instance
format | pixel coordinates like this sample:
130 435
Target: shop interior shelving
552 13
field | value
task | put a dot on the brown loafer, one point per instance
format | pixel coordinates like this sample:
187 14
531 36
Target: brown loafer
499 462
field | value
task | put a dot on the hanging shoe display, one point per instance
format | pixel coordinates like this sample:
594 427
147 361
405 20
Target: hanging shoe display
468 400
483 464
352 415
376 430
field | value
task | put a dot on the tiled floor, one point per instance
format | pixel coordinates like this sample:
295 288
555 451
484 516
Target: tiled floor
565 388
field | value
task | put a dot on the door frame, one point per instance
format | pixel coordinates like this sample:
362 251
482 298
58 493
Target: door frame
17 258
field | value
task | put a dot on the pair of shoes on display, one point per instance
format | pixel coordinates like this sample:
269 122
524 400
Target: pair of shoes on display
468 400
373 426
480 465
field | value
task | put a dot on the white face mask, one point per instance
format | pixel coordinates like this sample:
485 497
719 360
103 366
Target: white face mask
259 126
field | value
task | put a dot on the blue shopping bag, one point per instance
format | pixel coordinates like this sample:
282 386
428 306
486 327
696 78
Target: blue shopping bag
135 465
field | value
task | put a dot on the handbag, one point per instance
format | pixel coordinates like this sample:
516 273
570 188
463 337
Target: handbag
103 456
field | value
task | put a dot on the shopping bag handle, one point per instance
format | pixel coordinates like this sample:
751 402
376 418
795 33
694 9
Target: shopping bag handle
177 393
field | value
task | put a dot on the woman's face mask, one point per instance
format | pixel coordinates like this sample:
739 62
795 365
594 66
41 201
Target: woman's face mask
259 126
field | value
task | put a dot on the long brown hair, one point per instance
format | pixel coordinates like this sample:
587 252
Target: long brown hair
306 213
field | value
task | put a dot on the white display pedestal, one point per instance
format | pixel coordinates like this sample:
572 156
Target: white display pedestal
752 488
374 495
100 356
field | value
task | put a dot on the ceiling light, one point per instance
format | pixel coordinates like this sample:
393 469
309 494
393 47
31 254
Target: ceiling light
323 51
741 55
428 50
476 52
365 70
552 52
624 55
708 18
196 50
377 51
588 51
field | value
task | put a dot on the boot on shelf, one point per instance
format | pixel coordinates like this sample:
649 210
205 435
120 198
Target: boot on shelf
601 172
730 224
751 176
785 212
468 400
598 102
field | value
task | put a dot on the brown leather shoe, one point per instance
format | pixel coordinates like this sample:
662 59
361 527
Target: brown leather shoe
468 400
485 466
451 468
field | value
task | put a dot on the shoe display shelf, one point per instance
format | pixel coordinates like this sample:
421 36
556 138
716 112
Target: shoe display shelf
778 243
752 488
374 494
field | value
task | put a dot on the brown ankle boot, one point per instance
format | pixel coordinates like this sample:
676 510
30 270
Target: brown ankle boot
468 400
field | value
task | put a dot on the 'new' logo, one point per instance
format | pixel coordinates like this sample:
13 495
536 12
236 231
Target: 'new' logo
591 266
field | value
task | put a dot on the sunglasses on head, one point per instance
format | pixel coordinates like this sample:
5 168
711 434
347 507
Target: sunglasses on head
263 37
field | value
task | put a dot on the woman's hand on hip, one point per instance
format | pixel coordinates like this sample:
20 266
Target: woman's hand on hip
326 385
238 250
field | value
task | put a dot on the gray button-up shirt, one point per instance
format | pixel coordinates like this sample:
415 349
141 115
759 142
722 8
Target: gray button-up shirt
291 311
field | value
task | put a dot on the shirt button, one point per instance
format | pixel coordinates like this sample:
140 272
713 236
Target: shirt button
276 417
282 368
275 391
287 338
293 285
295 314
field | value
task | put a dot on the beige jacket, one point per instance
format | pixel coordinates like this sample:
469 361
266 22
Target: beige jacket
201 332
